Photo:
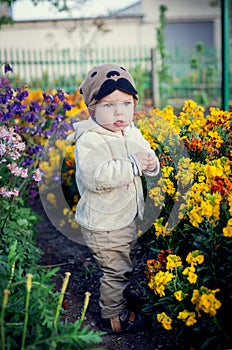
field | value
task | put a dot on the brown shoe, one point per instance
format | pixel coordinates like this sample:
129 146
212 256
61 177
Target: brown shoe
127 322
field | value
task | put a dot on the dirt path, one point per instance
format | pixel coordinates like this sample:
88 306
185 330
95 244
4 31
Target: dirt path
75 258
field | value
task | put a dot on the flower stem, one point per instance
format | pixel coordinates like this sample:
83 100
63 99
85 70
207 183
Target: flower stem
29 285
63 289
86 303
4 303
11 275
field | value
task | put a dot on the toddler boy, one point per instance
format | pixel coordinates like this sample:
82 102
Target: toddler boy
111 156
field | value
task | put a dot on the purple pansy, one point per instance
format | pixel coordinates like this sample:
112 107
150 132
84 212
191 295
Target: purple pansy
7 68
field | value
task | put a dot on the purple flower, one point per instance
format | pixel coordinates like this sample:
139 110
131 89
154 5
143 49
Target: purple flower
6 116
6 96
59 118
7 68
35 150
67 106
17 107
4 82
35 107
30 117
60 94
27 162
50 109
22 95
48 98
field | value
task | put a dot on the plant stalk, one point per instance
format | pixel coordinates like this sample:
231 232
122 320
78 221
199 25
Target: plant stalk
29 285
63 289
4 303
86 303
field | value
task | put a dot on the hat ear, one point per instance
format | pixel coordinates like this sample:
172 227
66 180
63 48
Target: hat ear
106 89
126 86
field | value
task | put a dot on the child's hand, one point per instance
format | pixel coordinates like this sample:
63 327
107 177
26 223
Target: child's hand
147 161
152 165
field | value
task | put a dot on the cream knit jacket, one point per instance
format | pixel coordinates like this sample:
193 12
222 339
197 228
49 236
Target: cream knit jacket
111 195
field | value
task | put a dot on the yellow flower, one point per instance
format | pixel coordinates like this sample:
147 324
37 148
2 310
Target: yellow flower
185 172
29 282
195 216
62 223
158 282
188 317
195 258
167 171
205 300
161 229
227 231
191 276
179 295
168 187
165 320
173 261
51 198
66 211
157 196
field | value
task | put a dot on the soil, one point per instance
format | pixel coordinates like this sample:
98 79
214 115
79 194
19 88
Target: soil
75 258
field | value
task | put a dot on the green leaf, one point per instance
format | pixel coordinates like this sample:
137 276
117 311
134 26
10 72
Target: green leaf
22 222
12 256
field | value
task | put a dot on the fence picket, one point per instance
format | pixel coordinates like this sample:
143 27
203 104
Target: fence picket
64 69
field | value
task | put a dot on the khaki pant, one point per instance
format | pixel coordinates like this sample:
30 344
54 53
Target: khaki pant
114 251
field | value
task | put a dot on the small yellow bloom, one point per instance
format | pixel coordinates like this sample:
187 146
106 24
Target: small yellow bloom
205 301
29 281
227 231
65 282
173 261
165 320
192 277
188 317
51 198
179 295
195 258
66 211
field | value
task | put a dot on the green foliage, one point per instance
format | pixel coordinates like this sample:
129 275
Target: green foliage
143 81
18 257
29 307
60 5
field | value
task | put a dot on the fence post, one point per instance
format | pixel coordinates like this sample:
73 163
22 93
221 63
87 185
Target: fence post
225 54
154 79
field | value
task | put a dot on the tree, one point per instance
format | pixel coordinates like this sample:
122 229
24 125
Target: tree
60 5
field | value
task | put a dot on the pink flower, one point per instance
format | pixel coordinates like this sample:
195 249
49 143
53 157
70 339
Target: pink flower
17 171
24 173
15 192
20 146
8 193
37 176
2 149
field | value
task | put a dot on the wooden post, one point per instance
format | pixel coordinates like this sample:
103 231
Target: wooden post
225 54
154 79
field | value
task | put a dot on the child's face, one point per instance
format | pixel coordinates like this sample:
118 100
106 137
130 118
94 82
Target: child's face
115 111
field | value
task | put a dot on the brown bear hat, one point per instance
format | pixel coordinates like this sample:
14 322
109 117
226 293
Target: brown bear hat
104 79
